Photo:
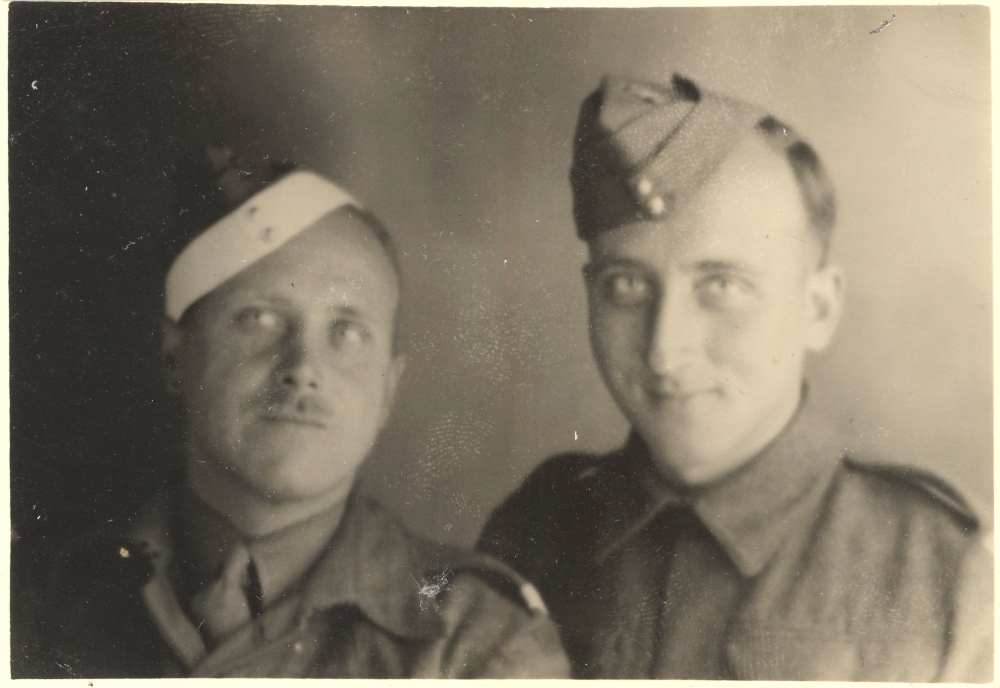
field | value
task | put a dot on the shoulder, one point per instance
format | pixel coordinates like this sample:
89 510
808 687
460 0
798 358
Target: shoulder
561 473
121 555
555 505
909 492
99 560
555 482
92 601
478 574
907 522
98 579
493 621
495 625
893 536
433 567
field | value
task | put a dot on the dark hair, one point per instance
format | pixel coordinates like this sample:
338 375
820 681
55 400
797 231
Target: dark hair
814 184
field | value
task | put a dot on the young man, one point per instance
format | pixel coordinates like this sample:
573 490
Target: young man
279 341
731 538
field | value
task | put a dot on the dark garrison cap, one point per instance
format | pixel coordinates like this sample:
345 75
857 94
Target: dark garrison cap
643 149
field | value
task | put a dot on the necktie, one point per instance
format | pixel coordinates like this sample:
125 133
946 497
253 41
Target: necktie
223 606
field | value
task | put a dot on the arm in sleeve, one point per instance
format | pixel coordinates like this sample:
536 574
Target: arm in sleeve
970 652
490 636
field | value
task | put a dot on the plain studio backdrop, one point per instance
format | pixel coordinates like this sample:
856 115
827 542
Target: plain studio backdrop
455 126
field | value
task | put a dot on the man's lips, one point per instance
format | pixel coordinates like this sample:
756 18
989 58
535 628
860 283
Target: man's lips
295 418
673 392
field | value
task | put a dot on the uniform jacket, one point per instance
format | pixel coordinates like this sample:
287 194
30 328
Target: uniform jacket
379 603
803 564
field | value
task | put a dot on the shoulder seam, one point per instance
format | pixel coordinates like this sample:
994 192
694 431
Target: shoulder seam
569 466
505 582
930 484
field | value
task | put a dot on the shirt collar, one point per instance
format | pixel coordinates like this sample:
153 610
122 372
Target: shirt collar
281 557
630 495
369 560
749 512
373 563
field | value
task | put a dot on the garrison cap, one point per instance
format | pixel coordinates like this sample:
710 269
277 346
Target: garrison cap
214 179
643 149
234 211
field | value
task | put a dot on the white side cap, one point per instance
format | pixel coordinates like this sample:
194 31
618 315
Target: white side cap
259 226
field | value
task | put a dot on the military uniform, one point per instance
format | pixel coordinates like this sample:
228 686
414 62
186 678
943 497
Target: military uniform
377 602
342 592
804 564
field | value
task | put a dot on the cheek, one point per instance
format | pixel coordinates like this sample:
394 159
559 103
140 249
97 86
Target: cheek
358 385
758 342
353 397
617 337
224 377
356 369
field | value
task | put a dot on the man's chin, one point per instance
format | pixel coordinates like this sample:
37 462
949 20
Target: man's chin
291 490
284 480
690 421
687 451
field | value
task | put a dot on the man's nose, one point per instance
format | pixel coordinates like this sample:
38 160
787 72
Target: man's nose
300 368
673 333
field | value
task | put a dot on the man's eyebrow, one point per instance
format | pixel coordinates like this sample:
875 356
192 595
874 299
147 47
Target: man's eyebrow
724 266
346 310
604 263
269 299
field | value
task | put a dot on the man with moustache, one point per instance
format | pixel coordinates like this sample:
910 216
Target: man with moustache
279 340
731 537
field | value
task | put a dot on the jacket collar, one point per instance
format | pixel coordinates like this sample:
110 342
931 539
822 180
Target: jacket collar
205 540
372 562
749 512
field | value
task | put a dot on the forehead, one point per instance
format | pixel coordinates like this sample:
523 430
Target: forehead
337 261
751 210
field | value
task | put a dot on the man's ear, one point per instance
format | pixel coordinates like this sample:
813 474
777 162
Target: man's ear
825 292
172 341
393 373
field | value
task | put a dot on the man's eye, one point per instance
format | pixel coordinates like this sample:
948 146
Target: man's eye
723 291
347 334
258 319
624 289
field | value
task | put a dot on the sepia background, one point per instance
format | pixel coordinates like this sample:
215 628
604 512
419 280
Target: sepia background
455 125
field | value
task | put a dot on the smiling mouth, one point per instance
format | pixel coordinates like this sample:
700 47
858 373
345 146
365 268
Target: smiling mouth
675 394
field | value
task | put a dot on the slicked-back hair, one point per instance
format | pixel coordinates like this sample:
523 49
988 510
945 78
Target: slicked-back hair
814 184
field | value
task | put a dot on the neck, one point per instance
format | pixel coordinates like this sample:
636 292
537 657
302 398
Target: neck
250 513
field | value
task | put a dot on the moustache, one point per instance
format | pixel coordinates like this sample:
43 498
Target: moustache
304 409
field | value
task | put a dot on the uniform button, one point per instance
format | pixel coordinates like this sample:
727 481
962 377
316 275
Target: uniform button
644 187
656 205
298 647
